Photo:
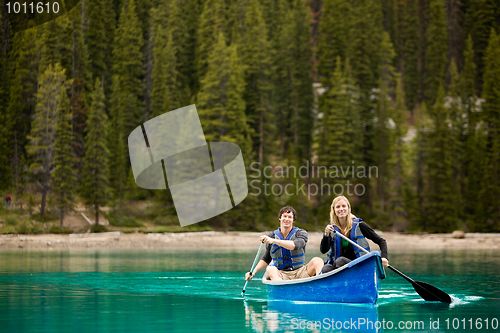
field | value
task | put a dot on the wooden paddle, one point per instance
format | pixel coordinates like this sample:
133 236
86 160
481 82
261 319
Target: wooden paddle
425 290
253 266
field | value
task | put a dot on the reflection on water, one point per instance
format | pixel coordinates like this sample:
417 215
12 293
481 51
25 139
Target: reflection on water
276 316
189 291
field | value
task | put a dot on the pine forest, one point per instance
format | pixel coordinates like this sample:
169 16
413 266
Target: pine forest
394 104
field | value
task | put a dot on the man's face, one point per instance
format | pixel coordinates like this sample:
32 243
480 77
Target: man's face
286 220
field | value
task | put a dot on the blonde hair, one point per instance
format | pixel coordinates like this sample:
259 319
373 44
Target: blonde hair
334 219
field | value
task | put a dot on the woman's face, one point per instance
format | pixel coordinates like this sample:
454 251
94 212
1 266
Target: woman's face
341 208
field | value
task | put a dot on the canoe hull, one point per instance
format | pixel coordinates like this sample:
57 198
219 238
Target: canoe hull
357 282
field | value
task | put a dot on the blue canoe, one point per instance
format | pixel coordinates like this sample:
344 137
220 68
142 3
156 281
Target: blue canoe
356 282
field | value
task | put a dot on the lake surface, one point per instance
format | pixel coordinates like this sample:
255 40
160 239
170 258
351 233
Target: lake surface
200 291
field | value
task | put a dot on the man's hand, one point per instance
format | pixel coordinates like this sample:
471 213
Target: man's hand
249 276
385 262
267 240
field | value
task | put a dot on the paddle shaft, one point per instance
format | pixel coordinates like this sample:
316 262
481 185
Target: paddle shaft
253 266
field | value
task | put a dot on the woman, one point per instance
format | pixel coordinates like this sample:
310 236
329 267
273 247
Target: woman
341 251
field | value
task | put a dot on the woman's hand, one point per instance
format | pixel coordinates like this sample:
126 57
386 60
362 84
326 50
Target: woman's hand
248 276
328 229
385 262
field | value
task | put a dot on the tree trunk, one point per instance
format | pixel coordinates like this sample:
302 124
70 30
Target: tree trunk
42 206
62 219
96 207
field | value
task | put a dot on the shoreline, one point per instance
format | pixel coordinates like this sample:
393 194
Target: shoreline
227 240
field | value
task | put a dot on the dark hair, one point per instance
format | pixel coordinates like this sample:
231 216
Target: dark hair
287 209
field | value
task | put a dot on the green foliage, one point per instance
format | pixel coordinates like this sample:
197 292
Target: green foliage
31 204
23 62
123 220
436 53
166 88
26 228
296 96
11 220
254 87
333 41
116 145
44 218
178 28
221 106
384 137
491 114
100 30
440 207
480 18
410 50
127 66
43 128
94 185
99 228
58 230
64 177
212 20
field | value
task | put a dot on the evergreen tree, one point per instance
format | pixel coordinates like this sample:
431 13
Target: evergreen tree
52 45
383 141
296 41
82 81
221 106
400 185
24 60
256 50
177 27
101 23
480 17
475 140
127 66
333 40
441 194
212 21
491 112
340 122
43 128
436 53
410 51
165 91
94 185
64 176
422 143
5 171
339 143
116 147
365 56
280 93
458 124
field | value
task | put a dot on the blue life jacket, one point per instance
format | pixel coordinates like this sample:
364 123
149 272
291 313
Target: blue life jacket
356 236
285 259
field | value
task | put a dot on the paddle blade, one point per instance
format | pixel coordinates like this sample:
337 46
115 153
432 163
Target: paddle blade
430 293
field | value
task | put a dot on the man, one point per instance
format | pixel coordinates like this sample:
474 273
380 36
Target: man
286 248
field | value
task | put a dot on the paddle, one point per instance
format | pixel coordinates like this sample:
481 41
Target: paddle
253 266
425 290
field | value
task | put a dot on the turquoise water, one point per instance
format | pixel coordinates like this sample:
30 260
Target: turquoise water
194 291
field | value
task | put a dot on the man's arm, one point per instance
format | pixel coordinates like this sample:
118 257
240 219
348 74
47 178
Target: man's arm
299 242
261 265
